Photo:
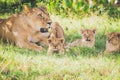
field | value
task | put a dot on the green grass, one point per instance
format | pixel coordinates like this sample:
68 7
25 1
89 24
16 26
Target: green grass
77 64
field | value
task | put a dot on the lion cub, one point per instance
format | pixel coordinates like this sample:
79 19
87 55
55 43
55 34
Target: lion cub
55 45
56 40
88 39
112 42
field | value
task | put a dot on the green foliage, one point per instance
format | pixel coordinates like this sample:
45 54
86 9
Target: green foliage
66 7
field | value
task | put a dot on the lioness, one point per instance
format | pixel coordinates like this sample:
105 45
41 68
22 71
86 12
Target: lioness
56 40
21 29
112 42
88 39
55 45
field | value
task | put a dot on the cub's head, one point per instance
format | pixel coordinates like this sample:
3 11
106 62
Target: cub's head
112 42
88 35
39 17
55 45
113 38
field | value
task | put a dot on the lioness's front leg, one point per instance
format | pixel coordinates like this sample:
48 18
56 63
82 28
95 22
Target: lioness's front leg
39 37
29 45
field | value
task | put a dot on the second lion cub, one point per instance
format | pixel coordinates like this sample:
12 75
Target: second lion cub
88 39
56 40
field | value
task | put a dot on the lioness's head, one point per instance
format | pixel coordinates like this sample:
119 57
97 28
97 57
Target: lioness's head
39 16
88 35
55 45
113 38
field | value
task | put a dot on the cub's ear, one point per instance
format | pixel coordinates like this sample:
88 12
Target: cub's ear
81 31
27 9
94 31
62 40
52 36
49 40
108 33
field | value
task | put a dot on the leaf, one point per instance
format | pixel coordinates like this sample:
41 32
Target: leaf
67 3
86 7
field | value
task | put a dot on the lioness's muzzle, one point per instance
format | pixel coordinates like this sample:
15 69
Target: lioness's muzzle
43 30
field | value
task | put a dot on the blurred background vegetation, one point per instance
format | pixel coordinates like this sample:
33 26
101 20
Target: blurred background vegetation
66 8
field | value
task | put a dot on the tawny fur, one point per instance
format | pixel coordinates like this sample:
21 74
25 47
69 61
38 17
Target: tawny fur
112 42
56 39
57 30
21 29
88 39
55 45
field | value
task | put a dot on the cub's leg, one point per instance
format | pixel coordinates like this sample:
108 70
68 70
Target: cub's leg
73 44
50 52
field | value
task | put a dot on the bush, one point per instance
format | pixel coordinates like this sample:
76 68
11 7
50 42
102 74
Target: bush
66 7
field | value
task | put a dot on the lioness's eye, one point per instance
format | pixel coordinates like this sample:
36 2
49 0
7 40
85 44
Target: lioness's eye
40 15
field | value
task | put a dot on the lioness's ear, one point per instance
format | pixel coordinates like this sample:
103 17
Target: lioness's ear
94 31
26 9
62 40
49 40
43 7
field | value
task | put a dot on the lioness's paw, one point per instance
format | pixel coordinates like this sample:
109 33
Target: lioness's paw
39 49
